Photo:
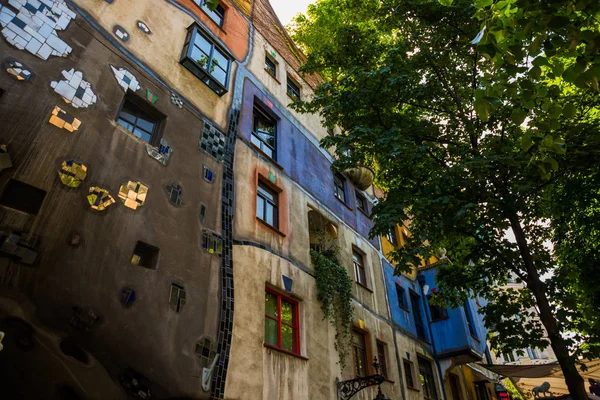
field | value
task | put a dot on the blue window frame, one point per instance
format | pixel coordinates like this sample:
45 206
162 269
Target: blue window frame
205 59
217 15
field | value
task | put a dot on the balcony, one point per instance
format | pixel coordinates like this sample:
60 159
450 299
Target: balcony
362 176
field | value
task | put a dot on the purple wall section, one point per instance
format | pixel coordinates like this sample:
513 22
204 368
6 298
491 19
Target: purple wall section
302 161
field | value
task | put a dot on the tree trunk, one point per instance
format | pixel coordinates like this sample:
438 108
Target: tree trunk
573 379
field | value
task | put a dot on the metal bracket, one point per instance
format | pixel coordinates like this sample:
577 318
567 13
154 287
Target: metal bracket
347 389
207 373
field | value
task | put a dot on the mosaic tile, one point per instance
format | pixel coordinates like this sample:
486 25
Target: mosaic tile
5 160
133 194
212 243
212 141
174 191
74 90
17 69
176 100
208 174
126 79
62 120
121 33
151 97
144 27
162 153
72 174
34 27
99 199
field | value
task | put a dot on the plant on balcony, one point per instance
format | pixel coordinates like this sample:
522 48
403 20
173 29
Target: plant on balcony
334 288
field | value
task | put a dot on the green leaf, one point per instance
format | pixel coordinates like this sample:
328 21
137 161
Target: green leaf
539 61
483 3
212 4
526 142
569 111
535 72
518 116
559 147
501 4
482 108
446 2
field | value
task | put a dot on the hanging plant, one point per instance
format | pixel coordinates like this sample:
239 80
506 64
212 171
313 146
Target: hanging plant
334 291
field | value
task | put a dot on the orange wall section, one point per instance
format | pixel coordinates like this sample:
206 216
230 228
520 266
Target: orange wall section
235 32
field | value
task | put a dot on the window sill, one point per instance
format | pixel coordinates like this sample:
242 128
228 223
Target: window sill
272 76
364 287
439 319
365 214
270 227
289 353
265 155
412 388
344 203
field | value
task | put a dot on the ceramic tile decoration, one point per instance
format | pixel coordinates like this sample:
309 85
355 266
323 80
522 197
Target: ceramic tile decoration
99 199
74 89
62 120
34 27
71 174
133 194
126 79
174 191
212 141
176 100
162 153
121 33
151 97
17 69
5 160
144 27
208 174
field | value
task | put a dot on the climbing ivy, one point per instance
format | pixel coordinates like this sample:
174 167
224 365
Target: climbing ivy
334 291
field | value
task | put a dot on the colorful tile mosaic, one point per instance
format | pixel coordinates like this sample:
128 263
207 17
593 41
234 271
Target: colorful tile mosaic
174 191
212 141
133 194
99 199
17 69
126 79
74 90
34 27
121 33
5 160
212 242
151 97
176 100
143 27
71 174
162 153
62 120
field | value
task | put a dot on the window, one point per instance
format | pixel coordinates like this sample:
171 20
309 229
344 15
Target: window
470 319
145 255
532 353
177 297
414 300
266 205
401 300
382 359
361 202
359 268
217 15
359 351
281 322
408 374
271 66
455 386
404 237
339 182
293 89
426 377
141 119
391 237
22 197
330 131
264 132
203 58
437 312
508 356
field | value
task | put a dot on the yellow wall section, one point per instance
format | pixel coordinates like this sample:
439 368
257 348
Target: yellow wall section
245 6
387 248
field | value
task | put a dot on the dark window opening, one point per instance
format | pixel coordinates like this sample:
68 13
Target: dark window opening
177 297
339 183
359 268
382 358
437 312
361 203
400 293
359 351
293 89
416 308
217 15
408 374
22 197
391 237
267 205
264 132
470 319
145 255
282 325
271 67
1 92
203 58
330 131
455 386
127 297
426 377
141 119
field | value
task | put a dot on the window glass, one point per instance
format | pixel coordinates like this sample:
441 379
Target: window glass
338 181
408 374
271 331
281 322
469 317
359 268
293 90
400 294
392 238
271 304
426 377
360 354
437 312
416 308
271 67
264 132
382 358
217 15
361 202
137 121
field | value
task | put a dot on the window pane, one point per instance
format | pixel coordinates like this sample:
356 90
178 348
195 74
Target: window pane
260 207
199 56
127 116
287 310
219 74
146 125
270 304
287 338
125 124
271 331
266 192
145 136
202 44
220 59
269 214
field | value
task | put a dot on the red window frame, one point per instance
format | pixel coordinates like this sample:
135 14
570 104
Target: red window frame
295 322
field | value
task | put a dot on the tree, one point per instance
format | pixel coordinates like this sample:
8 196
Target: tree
477 123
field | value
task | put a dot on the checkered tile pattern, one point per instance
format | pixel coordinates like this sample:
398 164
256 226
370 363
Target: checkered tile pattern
212 141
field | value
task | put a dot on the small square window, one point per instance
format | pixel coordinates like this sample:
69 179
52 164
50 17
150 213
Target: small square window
339 184
264 132
361 203
408 374
208 174
217 15
400 292
141 119
359 268
177 297
271 66
293 89
282 325
382 358
437 312
22 197
145 255
267 201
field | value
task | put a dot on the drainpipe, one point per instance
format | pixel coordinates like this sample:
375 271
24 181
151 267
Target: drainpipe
421 280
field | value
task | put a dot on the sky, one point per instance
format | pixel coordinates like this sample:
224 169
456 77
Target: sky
287 9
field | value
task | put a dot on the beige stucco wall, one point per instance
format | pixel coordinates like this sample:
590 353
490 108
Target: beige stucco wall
169 29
